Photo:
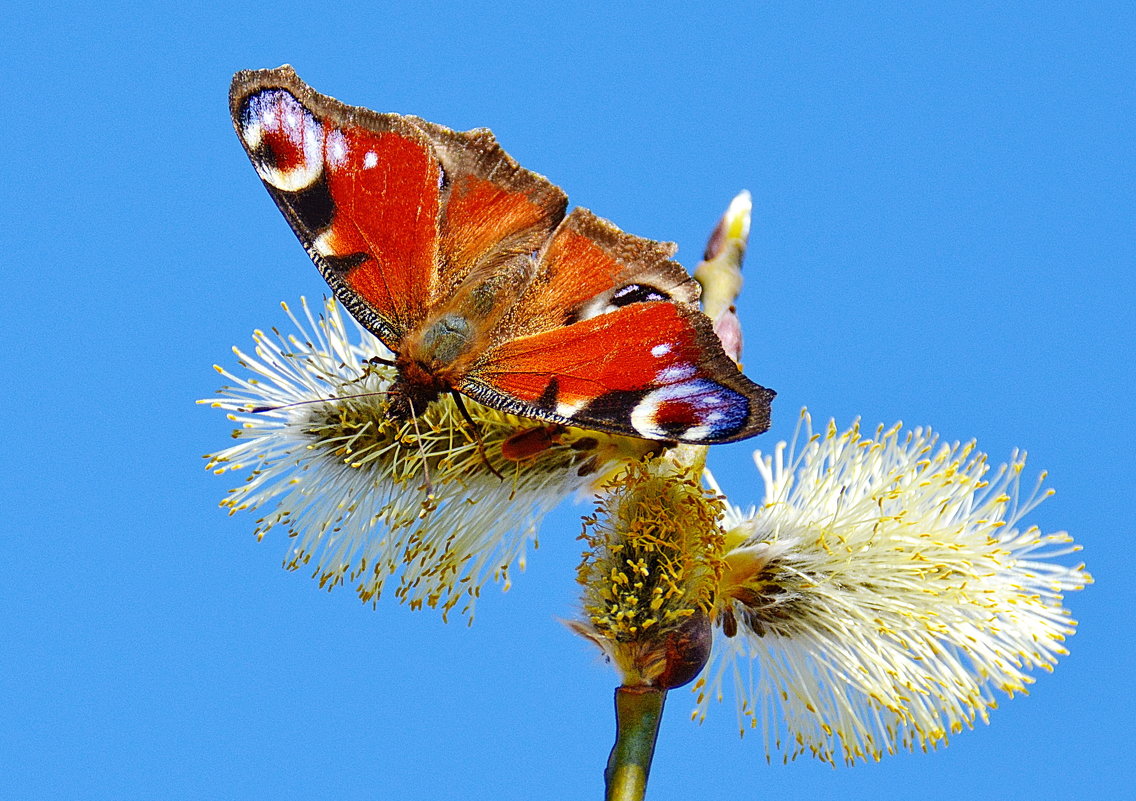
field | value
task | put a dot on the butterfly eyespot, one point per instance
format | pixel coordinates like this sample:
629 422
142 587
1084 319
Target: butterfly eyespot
285 140
636 293
614 301
693 410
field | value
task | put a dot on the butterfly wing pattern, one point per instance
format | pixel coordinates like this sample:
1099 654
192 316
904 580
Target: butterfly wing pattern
464 264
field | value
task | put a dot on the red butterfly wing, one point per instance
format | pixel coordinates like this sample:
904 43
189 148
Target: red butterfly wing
609 336
395 211
493 210
360 189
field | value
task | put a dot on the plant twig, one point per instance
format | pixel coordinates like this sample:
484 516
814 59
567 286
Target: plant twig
638 711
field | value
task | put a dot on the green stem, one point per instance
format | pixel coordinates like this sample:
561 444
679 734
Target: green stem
638 711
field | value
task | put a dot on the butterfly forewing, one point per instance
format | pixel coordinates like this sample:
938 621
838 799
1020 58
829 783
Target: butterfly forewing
360 189
590 267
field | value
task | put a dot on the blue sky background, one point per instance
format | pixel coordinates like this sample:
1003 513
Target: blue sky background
943 234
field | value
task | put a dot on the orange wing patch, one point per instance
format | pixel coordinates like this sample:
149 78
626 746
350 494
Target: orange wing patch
590 267
586 262
651 370
385 189
481 216
592 357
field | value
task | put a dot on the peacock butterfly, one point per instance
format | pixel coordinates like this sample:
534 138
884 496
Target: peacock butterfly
466 266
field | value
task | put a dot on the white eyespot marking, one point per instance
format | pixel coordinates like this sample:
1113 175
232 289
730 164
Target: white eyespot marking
293 115
336 148
698 432
593 308
636 293
615 299
675 374
659 351
645 418
370 160
645 415
285 139
252 132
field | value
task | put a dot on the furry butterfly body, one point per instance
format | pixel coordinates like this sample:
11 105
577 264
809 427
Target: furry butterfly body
466 266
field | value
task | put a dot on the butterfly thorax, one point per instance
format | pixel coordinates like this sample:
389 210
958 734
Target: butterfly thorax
432 361
434 358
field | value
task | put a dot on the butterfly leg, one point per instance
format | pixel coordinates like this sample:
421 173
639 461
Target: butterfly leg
476 432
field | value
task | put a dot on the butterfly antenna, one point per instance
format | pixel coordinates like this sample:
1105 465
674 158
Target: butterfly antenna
429 485
260 409
476 433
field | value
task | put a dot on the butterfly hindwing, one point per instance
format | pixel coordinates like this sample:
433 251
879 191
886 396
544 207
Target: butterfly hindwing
609 336
648 370
493 210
